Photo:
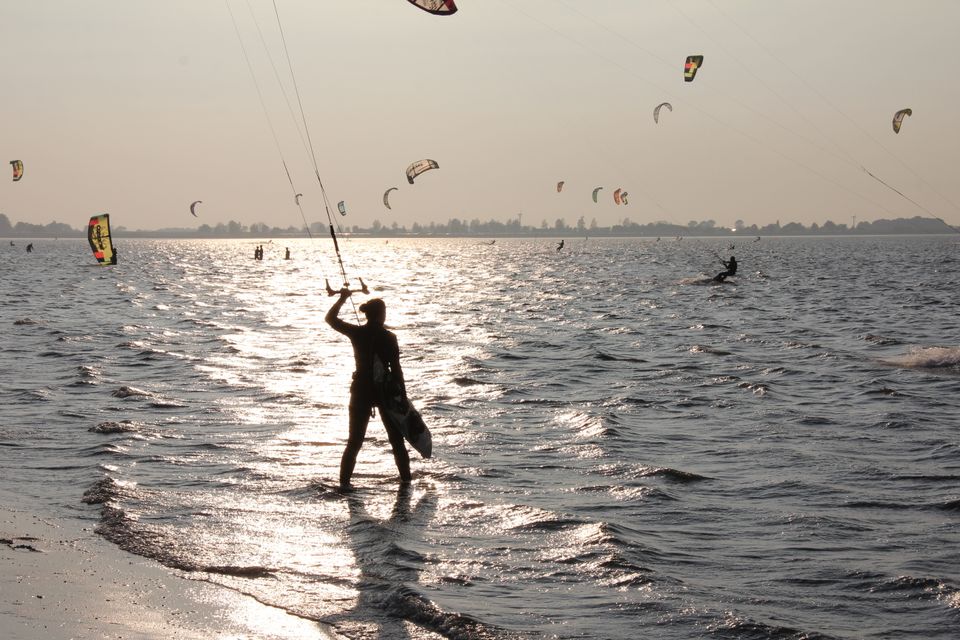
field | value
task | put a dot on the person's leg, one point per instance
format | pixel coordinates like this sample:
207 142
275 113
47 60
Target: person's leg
400 455
359 417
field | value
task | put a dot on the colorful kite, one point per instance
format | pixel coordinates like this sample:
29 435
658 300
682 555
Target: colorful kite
690 68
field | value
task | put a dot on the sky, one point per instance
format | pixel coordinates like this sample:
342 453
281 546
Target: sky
138 108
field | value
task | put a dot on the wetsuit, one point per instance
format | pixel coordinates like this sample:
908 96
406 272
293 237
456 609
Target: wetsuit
369 340
731 270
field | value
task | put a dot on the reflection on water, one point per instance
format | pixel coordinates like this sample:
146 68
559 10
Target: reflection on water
619 443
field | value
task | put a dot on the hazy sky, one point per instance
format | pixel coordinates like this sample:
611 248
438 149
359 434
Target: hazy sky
139 107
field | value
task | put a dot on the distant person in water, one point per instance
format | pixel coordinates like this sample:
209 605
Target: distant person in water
731 266
560 246
370 342
113 258
287 257
30 248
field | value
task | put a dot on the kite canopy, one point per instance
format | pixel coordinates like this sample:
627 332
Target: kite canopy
419 167
656 111
616 196
595 193
297 197
560 186
98 235
342 208
690 68
386 197
436 7
17 169
898 118
623 197
193 208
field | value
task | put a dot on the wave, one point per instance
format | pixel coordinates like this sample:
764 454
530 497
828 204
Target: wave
126 392
928 358
124 426
743 628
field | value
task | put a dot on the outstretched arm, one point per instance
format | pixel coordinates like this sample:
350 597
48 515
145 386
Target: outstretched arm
332 315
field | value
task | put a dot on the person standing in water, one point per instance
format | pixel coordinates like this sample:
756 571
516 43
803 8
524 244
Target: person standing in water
731 266
560 246
371 341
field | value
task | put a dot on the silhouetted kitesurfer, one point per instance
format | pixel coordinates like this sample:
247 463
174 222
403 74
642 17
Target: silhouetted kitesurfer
370 341
30 248
287 257
731 266
560 246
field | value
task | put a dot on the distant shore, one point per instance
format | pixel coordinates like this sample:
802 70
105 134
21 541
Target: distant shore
456 228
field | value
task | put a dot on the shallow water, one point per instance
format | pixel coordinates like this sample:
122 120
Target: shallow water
622 448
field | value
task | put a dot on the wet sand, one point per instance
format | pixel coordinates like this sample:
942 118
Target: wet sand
60 580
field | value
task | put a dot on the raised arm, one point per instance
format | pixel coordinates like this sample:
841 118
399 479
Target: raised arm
332 315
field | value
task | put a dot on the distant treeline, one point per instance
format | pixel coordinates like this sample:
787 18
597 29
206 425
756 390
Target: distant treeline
456 227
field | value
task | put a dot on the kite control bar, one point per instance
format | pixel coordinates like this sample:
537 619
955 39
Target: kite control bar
363 288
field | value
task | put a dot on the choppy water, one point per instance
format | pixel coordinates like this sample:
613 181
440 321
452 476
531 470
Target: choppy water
622 450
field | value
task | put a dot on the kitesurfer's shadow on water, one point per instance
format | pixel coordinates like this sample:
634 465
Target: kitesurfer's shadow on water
389 565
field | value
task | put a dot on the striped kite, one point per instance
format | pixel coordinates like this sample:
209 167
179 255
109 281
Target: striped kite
690 68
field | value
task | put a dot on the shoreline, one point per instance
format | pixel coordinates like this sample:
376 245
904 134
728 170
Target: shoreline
61 580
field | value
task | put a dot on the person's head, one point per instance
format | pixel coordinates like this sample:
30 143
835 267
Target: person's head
375 310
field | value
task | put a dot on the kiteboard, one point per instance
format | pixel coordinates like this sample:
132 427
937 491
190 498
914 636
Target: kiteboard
397 410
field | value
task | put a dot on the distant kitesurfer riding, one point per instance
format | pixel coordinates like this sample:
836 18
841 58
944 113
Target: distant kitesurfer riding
560 246
731 270
371 342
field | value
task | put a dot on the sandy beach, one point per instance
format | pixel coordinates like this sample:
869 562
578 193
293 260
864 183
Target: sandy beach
61 580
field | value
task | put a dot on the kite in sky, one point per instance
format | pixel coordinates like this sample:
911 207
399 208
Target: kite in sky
656 112
560 186
436 7
17 169
898 118
419 167
595 193
386 197
690 68
193 208
342 208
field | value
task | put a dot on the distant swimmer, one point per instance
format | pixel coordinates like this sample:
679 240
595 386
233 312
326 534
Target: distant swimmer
560 246
731 266
287 257
30 248
371 342
113 258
